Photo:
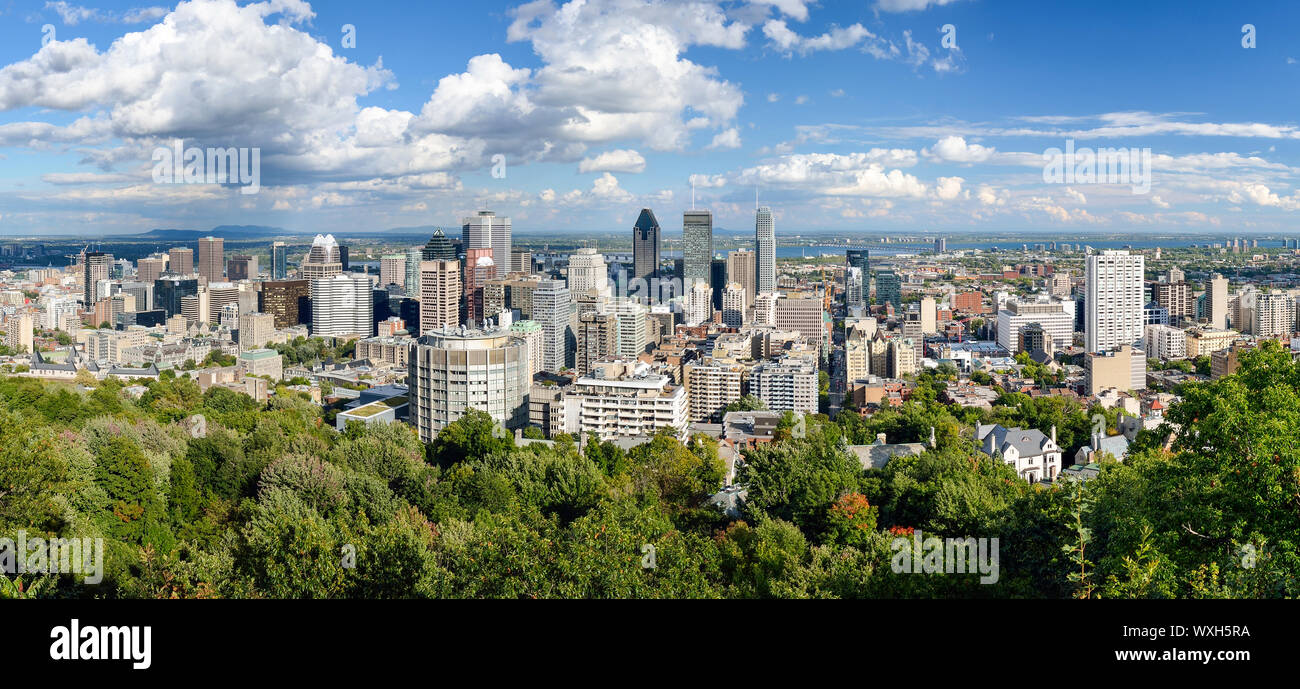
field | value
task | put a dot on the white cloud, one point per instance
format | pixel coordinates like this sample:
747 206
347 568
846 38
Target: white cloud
728 139
954 149
909 5
621 160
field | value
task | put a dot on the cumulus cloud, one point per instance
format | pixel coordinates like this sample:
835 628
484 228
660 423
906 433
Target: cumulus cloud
954 149
621 160
727 139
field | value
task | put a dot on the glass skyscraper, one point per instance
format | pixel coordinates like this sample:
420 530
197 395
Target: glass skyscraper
889 290
279 260
645 246
861 259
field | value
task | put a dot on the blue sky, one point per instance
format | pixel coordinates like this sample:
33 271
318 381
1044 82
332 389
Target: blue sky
845 115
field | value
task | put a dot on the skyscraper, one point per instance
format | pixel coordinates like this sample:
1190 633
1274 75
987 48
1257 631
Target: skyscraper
438 248
279 261
860 259
289 301
487 231
180 260
765 245
439 295
149 268
889 289
168 292
1217 300
587 271
412 283
1113 301
645 246
697 257
323 260
451 372
479 268
553 310
211 263
392 270
342 305
740 269
242 267
718 281
95 267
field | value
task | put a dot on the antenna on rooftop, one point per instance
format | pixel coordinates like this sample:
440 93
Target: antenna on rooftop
692 192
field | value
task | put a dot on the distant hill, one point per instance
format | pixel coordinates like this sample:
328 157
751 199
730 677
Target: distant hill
223 231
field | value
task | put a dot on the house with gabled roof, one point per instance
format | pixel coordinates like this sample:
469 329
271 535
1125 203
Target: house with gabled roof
1034 455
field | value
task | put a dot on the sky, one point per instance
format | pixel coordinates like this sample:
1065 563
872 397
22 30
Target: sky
878 116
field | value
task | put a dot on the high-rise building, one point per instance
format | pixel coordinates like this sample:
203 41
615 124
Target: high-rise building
587 271
392 270
853 287
438 248
531 333
802 315
279 261
624 399
440 295
1274 315
1177 298
150 268
553 310
255 329
170 290
697 257
95 269
180 260
521 261
487 231
718 281
1055 317
733 305
451 371
861 259
789 384
241 267
211 263
323 260
631 316
929 316
941 245
18 332
710 388
342 305
765 247
479 268
740 269
219 295
645 247
1113 300
889 289
411 262
699 303
1217 293
597 338
288 301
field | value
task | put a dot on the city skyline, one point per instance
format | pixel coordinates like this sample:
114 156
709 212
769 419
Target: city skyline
940 129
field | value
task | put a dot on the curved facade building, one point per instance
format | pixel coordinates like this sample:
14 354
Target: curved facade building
452 370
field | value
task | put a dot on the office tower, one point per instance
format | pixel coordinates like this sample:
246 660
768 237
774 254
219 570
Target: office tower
853 287
196 307
631 316
279 261
211 251
343 257
1274 315
699 303
322 260
521 261
765 246
940 245
860 259
438 248
288 301
697 256
180 260
1217 293
141 292
342 305
718 281
740 269
597 338
1113 288
241 267
889 289
451 371
169 291
1055 317
1177 298
645 247
411 281
587 272
219 295
487 231
392 270
255 330
149 269
95 269
479 268
803 316
439 295
553 310
734 304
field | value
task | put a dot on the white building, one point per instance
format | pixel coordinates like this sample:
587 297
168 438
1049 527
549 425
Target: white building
587 271
624 399
699 303
486 230
1165 342
710 388
733 305
1054 315
765 243
1274 315
342 305
1113 300
454 370
553 309
1033 455
789 384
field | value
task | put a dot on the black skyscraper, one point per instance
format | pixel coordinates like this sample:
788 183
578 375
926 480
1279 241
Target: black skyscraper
645 246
